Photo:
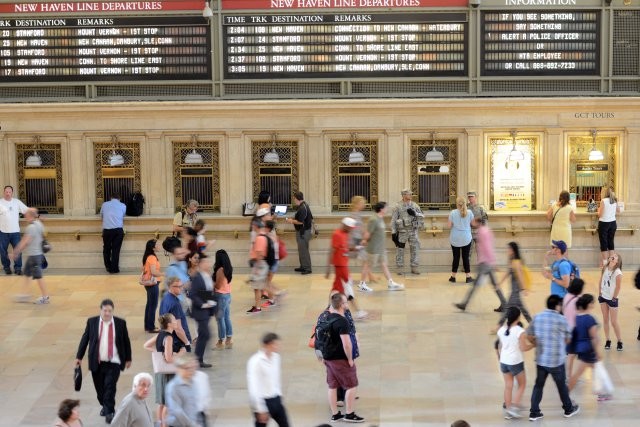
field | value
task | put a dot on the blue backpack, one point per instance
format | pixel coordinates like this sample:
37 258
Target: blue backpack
575 270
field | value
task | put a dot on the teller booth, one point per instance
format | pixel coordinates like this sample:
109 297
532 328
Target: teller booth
117 169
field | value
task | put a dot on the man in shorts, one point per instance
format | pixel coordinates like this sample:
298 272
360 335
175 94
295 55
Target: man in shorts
339 258
338 359
259 267
31 244
375 249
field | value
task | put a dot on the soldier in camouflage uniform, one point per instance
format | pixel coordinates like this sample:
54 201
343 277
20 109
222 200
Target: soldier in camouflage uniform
406 220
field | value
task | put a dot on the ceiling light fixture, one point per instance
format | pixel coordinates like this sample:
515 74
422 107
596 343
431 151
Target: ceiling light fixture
434 155
34 160
193 158
272 156
595 154
355 156
115 159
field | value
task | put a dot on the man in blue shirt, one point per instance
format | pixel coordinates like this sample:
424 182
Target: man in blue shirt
549 332
182 396
112 214
560 271
171 304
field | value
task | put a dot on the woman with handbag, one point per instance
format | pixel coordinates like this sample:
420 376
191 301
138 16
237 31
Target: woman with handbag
561 216
149 279
164 347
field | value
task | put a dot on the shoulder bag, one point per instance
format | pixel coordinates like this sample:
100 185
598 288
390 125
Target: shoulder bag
161 366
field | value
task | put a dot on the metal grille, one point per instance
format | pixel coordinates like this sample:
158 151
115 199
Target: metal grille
618 86
415 87
586 178
155 91
40 176
626 43
114 178
279 178
549 87
354 166
306 88
527 144
48 93
196 173
434 176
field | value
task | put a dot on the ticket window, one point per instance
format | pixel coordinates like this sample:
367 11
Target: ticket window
588 173
354 165
196 173
39 169
434 176
275 169
117 166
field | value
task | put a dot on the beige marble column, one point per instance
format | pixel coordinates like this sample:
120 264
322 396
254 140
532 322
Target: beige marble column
473 161
157 188
395 157
235 172
553 171
314 170
78 176
630 152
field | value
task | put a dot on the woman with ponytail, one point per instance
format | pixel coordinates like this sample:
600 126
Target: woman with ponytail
512 342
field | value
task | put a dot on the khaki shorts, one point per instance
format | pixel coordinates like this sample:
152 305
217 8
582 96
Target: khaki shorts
376 259
259 274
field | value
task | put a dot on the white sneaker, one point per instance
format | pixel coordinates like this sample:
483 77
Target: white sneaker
363 287
42 300
361 314
393 286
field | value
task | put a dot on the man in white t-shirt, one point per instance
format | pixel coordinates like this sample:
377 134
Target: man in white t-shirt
10 210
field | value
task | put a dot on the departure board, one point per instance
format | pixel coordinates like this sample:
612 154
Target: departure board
534 42
345 45
91 49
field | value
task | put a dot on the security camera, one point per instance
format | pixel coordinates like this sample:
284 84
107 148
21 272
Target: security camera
475 3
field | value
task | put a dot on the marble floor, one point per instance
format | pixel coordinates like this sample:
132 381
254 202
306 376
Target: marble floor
423 363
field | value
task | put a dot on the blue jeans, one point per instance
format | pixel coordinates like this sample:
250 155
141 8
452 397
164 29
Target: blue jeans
223 315
151 307
5 239
559 377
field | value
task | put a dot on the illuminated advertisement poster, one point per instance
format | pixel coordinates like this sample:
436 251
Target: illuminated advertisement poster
511 179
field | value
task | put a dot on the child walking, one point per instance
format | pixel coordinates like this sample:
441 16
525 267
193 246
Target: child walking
512 342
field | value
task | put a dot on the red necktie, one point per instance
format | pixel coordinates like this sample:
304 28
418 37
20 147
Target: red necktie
110 343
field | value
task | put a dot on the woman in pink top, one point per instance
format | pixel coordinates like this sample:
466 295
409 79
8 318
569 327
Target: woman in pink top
569 311
222 275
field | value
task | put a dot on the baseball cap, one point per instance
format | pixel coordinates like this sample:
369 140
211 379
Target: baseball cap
471 193
349 222
560 244
406 191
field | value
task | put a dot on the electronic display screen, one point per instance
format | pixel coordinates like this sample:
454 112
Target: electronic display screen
408 44
534 42
107 48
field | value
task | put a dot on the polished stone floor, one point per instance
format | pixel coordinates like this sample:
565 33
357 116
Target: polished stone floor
423 362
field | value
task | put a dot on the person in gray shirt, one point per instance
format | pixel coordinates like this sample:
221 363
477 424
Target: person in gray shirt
31 245
182 395
133 410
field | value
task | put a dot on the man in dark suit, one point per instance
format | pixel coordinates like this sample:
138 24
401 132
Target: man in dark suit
109 353
201 295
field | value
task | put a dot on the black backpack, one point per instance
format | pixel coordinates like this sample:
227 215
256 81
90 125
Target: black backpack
271 252
135 205
323 334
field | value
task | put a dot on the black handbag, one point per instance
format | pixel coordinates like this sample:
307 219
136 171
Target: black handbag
77 378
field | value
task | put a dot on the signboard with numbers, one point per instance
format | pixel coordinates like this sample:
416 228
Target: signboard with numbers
528 42
408 44
108 48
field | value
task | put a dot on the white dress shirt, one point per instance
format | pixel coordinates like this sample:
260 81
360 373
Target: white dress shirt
263 379
104 342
